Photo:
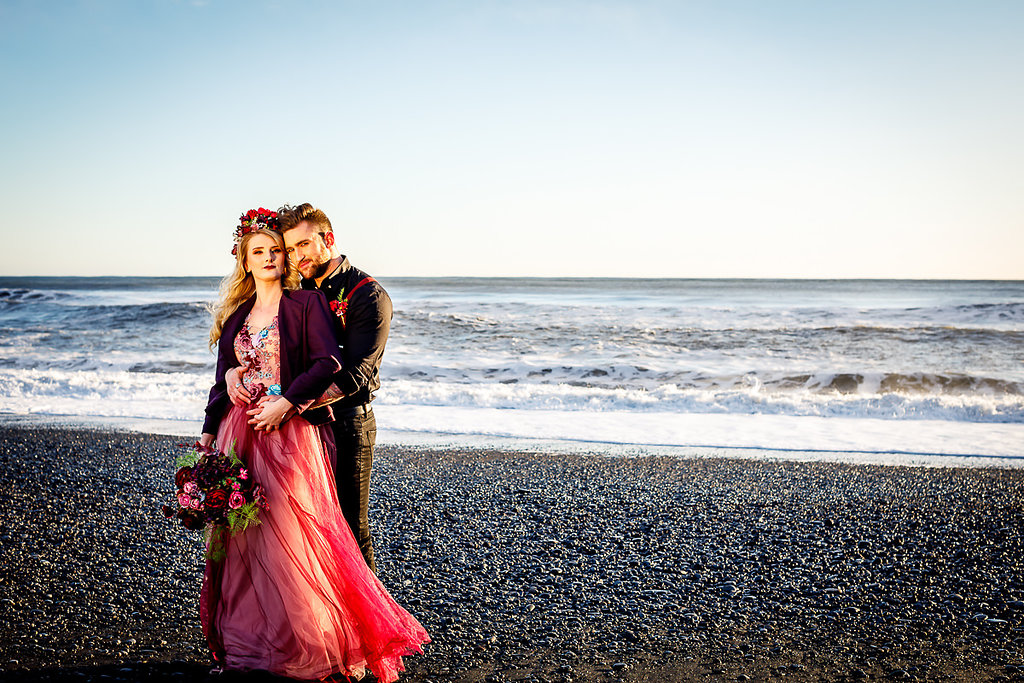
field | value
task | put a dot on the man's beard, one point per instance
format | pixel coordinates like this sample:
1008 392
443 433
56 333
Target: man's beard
319 270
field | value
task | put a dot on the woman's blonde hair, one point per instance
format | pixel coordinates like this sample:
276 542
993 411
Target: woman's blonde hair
239 286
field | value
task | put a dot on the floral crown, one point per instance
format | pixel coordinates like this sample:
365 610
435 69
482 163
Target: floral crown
253 220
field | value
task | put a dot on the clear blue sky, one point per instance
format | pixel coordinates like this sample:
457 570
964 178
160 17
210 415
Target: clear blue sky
675 139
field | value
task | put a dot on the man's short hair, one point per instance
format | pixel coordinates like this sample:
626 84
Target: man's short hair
290 216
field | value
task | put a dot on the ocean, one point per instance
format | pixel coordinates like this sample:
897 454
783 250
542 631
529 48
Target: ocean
906 372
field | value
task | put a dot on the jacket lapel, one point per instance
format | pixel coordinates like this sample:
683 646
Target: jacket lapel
287 326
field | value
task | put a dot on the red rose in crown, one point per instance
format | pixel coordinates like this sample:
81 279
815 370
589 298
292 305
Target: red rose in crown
253 220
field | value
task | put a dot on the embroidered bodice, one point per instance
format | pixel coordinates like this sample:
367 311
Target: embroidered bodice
260 356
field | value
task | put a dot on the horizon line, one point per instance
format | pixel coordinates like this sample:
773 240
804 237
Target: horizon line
807 278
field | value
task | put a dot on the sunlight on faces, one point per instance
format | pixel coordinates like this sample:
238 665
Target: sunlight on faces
265 258
308 249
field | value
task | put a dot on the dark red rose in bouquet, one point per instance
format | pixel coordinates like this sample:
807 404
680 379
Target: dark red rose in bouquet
216 499
192 520
183 476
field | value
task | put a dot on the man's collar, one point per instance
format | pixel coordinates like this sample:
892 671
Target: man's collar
343 266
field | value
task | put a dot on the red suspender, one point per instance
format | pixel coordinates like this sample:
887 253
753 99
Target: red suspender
358 285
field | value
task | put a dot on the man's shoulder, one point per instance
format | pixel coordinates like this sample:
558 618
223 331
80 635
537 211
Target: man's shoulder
355 277
353 274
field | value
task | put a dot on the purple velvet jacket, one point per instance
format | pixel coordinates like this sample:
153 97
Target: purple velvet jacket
309 355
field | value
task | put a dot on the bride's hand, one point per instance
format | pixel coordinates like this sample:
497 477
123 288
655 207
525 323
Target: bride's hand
237 392
269 413
207 440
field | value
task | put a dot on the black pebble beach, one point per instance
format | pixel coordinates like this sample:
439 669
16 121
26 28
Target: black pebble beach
547 567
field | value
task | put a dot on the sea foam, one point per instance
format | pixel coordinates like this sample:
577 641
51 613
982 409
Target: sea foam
821 365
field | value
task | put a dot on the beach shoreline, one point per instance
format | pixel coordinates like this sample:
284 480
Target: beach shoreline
477 441
548 566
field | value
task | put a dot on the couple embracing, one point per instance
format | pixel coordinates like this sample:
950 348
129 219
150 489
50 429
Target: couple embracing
297 595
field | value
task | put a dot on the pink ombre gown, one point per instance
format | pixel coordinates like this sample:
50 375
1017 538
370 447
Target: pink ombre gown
294 595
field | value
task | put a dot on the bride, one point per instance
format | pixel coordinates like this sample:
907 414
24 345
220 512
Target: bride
293 595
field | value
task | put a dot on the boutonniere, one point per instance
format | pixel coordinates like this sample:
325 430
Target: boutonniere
339 306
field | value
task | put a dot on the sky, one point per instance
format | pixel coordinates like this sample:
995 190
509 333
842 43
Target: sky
784 138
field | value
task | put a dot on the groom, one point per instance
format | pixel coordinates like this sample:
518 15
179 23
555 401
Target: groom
362 320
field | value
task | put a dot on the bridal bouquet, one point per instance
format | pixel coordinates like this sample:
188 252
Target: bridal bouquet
216 493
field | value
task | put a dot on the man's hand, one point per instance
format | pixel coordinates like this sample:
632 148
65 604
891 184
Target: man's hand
237 392
207 440
269 413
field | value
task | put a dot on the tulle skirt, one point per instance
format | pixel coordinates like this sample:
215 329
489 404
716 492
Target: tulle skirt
294 595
